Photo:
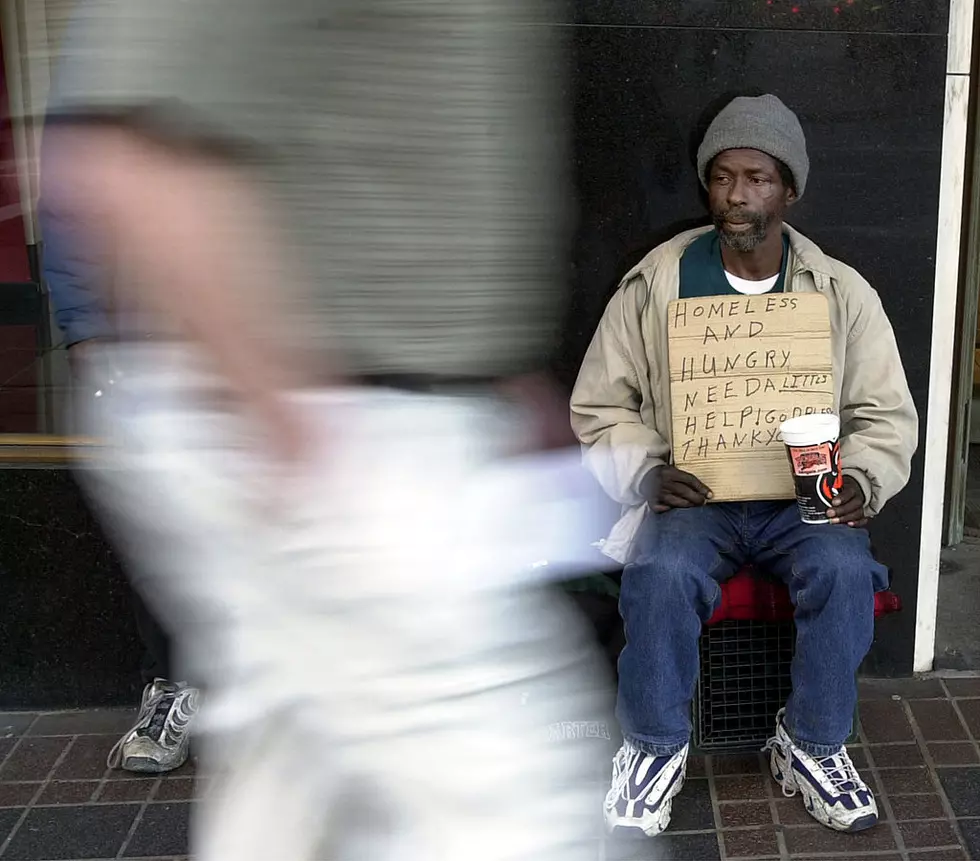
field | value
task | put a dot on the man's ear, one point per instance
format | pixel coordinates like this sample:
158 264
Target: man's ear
791 196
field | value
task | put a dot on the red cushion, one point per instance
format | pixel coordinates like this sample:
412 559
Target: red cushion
747 596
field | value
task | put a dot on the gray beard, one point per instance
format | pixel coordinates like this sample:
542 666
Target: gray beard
746 241
743 242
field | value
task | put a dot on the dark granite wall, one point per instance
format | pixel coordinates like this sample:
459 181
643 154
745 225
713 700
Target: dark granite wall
67 635
867 80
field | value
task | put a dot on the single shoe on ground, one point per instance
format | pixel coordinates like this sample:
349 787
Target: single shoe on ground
643 786
159 741
832 790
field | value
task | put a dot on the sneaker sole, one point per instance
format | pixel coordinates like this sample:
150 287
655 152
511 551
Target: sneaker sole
621 826
145 765
863 824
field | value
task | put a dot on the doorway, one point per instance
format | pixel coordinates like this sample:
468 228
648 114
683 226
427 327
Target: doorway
957 645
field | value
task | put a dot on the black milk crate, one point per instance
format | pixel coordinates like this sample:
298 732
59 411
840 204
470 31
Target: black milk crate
744 682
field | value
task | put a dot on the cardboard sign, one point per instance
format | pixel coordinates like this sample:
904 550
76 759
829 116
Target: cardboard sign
739 366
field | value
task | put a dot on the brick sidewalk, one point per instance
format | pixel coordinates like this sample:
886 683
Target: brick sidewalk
919 750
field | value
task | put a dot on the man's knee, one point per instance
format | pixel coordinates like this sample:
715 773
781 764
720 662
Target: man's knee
678 533
669 566
839 563
678 560
671 576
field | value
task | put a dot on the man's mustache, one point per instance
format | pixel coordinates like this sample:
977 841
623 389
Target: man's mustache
740 216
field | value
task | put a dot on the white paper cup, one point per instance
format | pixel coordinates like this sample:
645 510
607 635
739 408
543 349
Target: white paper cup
813 449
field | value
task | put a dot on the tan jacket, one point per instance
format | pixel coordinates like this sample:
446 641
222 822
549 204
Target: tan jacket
621 402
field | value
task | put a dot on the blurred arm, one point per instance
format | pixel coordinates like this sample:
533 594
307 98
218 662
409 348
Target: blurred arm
70 268
189 223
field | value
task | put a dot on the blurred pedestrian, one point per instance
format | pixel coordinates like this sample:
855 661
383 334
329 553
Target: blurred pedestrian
335 227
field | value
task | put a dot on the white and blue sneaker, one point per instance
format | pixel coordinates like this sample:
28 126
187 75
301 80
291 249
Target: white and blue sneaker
832 790
643 786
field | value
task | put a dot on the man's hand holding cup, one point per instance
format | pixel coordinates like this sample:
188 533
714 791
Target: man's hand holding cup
849 505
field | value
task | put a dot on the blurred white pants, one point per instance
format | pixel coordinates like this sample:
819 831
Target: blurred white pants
363 641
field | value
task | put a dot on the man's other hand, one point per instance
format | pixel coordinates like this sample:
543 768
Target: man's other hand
670 487
848 508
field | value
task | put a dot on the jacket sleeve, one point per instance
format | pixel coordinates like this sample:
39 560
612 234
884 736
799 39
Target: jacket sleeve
72 273
619 449
879 424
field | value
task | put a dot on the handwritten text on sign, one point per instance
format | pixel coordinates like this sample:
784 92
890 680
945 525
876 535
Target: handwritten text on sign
739 366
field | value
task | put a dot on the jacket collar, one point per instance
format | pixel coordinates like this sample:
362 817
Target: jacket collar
806 255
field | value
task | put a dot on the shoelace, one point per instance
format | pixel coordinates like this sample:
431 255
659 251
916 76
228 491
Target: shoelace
774 744
840 771
837 768
151 720
622 765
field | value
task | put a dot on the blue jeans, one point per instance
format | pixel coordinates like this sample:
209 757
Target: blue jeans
673 587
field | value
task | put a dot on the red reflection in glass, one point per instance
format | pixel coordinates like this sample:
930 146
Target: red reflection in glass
14 266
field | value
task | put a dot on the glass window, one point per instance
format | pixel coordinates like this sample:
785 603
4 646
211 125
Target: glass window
35 420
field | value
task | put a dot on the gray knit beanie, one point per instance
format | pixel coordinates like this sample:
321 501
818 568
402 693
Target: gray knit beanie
763 123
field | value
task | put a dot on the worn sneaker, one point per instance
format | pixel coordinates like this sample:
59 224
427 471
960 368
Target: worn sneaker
832 790
159 741
643 786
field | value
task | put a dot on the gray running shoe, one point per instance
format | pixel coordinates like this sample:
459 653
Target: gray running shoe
159 741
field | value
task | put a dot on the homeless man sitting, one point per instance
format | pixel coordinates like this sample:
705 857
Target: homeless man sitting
754 165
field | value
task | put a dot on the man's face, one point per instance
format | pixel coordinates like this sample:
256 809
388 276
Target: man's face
747 196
